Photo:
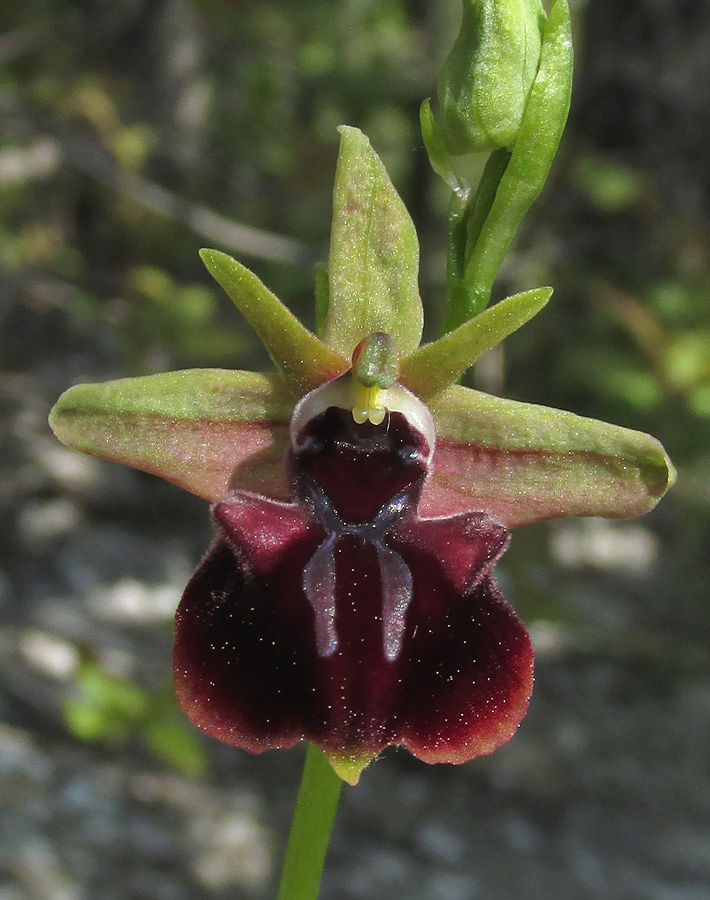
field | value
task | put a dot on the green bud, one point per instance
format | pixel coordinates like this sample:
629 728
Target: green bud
486 79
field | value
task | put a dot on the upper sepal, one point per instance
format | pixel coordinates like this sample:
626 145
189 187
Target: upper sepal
205 430
522 463
374 254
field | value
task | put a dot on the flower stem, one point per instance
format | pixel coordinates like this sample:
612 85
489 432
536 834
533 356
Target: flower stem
467 214
311 828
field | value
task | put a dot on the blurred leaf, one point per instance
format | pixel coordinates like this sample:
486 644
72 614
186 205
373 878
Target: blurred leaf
609 186
699 401
90 100
687 359
174 740
132 144
105 707
631 384
617 376
114 709
674 301
153 282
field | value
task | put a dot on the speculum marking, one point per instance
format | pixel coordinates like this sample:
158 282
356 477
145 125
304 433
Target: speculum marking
319 577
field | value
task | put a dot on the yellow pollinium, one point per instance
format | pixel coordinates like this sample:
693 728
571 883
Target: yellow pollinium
369 404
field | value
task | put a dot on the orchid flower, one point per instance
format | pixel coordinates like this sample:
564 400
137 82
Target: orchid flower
361 498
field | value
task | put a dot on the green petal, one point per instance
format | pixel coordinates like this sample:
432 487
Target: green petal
374 254
435 366
206 430
522 463
304 361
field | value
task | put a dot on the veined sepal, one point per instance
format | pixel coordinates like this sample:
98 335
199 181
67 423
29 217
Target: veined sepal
373 265
206 430
522 463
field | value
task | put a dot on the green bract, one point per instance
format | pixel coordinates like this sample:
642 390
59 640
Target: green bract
211 431
485 81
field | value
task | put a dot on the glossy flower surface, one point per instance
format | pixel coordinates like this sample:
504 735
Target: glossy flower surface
348 598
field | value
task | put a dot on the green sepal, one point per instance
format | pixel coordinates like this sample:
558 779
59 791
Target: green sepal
374 254
533 152
206 430
523 463
304 361
435 366
322 295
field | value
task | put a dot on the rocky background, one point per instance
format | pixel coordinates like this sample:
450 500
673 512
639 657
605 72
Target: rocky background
132 134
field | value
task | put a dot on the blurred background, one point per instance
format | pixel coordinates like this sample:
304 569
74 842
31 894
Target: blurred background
134 132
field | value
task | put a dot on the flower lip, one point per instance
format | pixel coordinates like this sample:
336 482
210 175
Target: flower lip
430 657
359 465
344 393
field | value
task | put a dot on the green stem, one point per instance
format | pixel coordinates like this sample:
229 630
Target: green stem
467 215
455 260
311 828
493 172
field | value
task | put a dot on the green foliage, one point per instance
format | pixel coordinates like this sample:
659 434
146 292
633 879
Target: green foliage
181 319
609 186
113 710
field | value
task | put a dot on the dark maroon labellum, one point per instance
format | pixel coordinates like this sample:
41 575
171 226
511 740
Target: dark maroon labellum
343 617
360 480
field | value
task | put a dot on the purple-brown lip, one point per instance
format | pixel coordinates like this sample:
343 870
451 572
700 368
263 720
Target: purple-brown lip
344 618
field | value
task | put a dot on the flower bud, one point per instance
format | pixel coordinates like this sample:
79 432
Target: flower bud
485 81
